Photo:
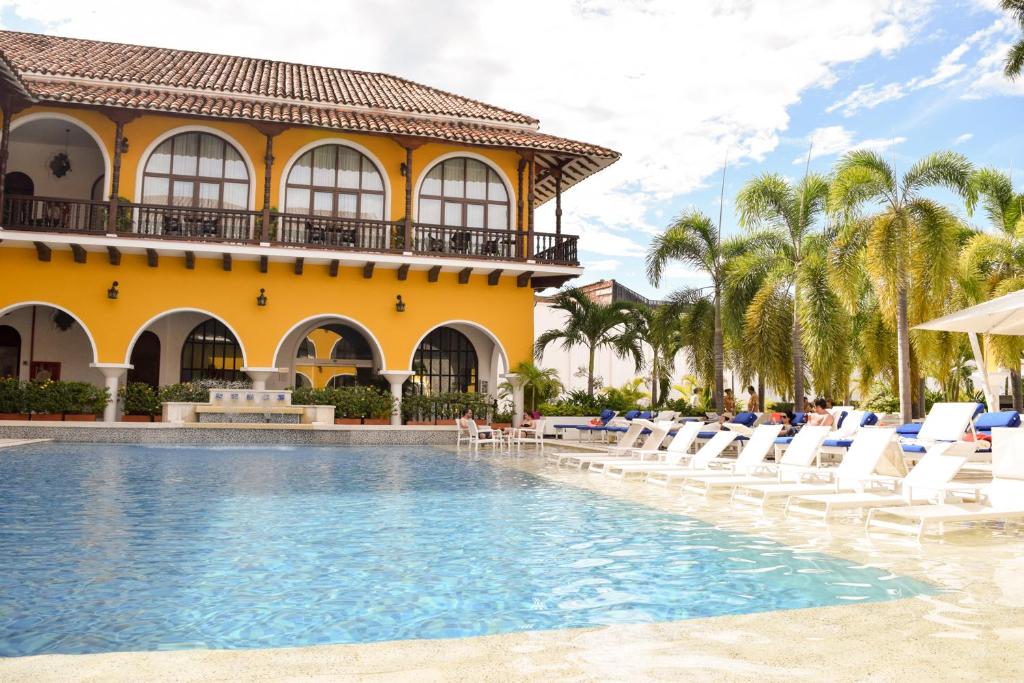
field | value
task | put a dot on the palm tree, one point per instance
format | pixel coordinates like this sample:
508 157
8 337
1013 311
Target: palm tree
905 244
992 262
785 272
1015 58
660 328
694 240
592 325
539 384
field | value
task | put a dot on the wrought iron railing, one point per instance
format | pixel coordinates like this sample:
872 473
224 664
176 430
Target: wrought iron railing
55 214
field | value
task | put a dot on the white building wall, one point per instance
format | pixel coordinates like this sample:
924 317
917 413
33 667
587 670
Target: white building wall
70 348
32 158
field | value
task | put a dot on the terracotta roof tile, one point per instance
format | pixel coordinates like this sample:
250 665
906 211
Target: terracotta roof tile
33 53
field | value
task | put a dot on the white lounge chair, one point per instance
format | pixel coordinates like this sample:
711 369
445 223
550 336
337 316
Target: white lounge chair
677 451
651 448
482 436
529 435
947 422
859 464
701 460
1002 500
928 481
626 441
752 459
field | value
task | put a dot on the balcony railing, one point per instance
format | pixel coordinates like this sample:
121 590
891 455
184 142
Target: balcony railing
239 226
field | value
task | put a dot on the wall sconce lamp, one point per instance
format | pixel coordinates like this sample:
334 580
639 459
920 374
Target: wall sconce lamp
399 304
112 292
403 168
261 300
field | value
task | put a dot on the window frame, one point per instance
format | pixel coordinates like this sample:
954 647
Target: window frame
465 201
196 179
211 327
440 340
364 162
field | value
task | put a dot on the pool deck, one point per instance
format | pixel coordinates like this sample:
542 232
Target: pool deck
975 631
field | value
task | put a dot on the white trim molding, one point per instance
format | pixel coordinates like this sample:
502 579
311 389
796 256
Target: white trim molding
172 311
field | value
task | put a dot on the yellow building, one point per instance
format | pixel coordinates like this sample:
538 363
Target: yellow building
176 215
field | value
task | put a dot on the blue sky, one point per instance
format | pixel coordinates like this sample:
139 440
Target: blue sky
673 86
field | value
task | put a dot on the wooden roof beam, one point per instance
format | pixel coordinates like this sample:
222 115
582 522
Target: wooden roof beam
190 260
299 263
494 277
523 279
332 268
79 253
114 254
152 258
368 269
403 271
433 274
43 252
464 275
226 261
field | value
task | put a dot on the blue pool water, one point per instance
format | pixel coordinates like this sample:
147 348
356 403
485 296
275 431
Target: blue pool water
112 548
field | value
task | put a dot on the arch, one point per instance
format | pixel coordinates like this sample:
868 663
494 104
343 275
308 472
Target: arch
18 183
314 321
145 359
88 333
210 349
158 316
140 171
10 351
107 165
455 324
308 381
334 140
469 155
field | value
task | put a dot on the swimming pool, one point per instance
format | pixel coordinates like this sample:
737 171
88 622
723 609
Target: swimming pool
112 548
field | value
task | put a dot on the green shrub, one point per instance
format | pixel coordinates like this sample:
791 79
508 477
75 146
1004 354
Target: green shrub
185 392
779 407
349 402
57 397
447 406
684 408
881 399
139 398
12 396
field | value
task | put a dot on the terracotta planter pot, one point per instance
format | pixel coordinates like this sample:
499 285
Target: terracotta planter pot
420 423
140 418
14 416
502 425
347 420
75 417
46 417
446 422
376 421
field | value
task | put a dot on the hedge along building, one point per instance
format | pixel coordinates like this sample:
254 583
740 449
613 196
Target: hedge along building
177 215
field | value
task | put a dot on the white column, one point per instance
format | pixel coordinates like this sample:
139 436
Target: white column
517 397
396 378
111 379
259 376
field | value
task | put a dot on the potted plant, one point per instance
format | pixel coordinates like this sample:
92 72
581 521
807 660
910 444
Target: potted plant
81 401
416 410
140 402
378 406
44 401
12 400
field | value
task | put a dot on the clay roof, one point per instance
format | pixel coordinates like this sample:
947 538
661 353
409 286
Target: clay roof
96 73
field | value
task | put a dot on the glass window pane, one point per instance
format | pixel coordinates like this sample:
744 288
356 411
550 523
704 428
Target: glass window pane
474 216
234 167
236 196
497 216
452 213
323 203
183 192
454 178
495 188
371 176
476 179
323 166
155 191
300 173
432 183
209 195
211 157
160 159
348 167
347 205
296 200
186 146
373 207
430 211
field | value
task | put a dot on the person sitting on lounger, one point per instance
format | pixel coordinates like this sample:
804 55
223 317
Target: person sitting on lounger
729 411
788 428
466 418
820 416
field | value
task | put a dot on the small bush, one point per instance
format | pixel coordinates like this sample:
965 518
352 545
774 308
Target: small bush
139 398
684 408
349 402
12 396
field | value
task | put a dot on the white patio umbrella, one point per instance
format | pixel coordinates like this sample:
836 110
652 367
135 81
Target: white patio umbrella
1004 315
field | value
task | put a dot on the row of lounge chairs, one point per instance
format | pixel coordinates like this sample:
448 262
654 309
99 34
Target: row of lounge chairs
871 473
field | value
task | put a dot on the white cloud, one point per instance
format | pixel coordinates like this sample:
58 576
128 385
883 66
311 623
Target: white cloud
606 265
962 138
835 140
672 85
867 96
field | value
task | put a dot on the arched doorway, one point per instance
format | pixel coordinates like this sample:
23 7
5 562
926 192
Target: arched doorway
145 360
18 183
333 354
211 351
445 361
10 351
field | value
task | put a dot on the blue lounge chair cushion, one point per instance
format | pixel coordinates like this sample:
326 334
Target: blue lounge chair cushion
646 415
838 443
746 419
913 448
706 435
839 422
785 440
799 418
1004 418
631 415
868 419
909 429
607 414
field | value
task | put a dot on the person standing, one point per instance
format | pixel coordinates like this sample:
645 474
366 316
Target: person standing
753 402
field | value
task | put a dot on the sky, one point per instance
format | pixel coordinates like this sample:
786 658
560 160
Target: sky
677 87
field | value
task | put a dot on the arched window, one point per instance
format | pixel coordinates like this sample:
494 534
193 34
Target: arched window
335 181
445 361
196 170
211 352
307 349
463 192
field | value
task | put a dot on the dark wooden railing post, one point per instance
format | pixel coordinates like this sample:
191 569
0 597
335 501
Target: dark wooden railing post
269 130
120 117
4 151
407 237
519 196
529 207
558 201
